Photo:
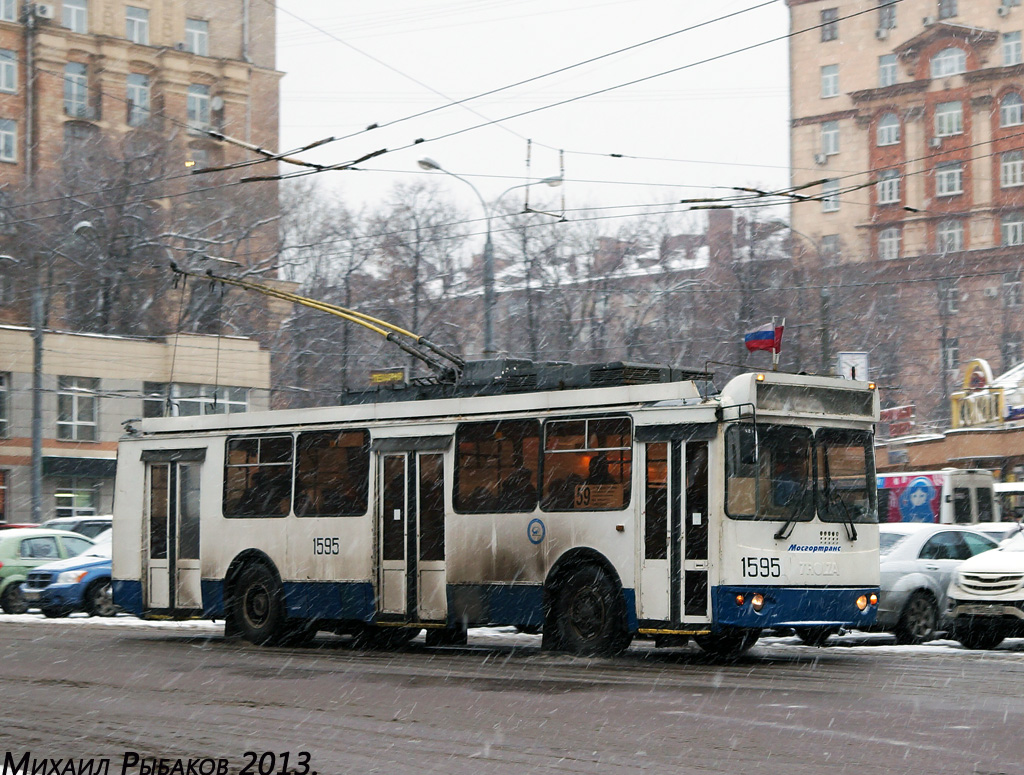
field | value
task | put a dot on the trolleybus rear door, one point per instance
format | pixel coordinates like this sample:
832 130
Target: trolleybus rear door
412 577
674 559
172 522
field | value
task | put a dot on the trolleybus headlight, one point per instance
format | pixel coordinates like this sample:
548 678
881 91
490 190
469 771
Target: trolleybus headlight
873 599
740 600
757 602
862 602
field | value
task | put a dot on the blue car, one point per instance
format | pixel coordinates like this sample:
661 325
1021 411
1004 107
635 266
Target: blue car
79 583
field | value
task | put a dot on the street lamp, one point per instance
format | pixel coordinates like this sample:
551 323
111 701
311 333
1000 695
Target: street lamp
430 165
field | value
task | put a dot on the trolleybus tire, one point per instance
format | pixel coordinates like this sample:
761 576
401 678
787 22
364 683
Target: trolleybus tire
590 614
815 636
55 613
918 620
257 605
299 632
729 643
12 601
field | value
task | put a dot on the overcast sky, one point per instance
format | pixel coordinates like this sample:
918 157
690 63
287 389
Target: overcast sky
722 123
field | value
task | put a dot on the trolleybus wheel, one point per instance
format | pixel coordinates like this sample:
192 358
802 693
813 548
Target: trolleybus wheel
55 613
257 605
918 620
730 643
815 636
589 614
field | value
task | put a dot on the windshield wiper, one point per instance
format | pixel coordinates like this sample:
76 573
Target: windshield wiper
832 495
795 511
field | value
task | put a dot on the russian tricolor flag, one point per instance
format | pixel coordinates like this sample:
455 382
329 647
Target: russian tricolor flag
767 337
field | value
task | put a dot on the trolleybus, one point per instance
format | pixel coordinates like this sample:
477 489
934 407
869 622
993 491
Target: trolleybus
592 504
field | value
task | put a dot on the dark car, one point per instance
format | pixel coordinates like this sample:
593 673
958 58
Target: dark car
80 583
90 527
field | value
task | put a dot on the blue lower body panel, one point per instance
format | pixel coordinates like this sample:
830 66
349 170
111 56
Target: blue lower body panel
518 604
792 607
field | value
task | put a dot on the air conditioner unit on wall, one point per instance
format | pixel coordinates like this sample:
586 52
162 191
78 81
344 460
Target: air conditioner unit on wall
820 158
44 11
928 21
1003 10
882 33
991 293
935 142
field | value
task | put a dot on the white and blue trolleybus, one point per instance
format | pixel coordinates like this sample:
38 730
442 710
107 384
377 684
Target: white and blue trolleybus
593 504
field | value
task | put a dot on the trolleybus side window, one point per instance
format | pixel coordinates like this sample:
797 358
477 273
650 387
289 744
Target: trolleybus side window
845 469
258 476
332 473
769 473
587 464
496 466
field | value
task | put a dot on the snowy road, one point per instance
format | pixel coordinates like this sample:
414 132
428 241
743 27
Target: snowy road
91 689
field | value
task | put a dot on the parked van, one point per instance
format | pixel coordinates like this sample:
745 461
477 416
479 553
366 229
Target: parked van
952 495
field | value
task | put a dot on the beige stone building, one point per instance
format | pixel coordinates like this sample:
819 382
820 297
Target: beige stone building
908 131
91 386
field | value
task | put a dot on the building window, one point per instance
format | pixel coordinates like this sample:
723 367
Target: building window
76 408
75 15
1011 169
949 61
830 248
4 382
889 243
887 72
138 99
1011 350
1011 110
76 90
830 138
888 131
949 119
77 498
887 189
949 236
136 25
829 24
951 353
8 70
830 81
1012 229
1012 295
198 106
949 297
830 196
3 496
197 37
887 14
188 400
8 10
1011 48
8 140
947 9
949 179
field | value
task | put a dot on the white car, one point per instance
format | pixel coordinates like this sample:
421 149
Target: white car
917 561
986 597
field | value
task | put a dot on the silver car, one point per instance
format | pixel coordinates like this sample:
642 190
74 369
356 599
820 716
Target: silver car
917 562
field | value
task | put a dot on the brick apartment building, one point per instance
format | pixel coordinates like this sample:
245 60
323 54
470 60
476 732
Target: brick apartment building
104 112
912 113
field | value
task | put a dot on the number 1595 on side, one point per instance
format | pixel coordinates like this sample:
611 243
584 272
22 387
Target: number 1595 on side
761 567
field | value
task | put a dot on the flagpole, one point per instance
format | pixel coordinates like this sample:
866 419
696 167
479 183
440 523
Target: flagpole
775 344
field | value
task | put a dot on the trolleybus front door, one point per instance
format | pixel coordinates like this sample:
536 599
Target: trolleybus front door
172 553
410 535
674 564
